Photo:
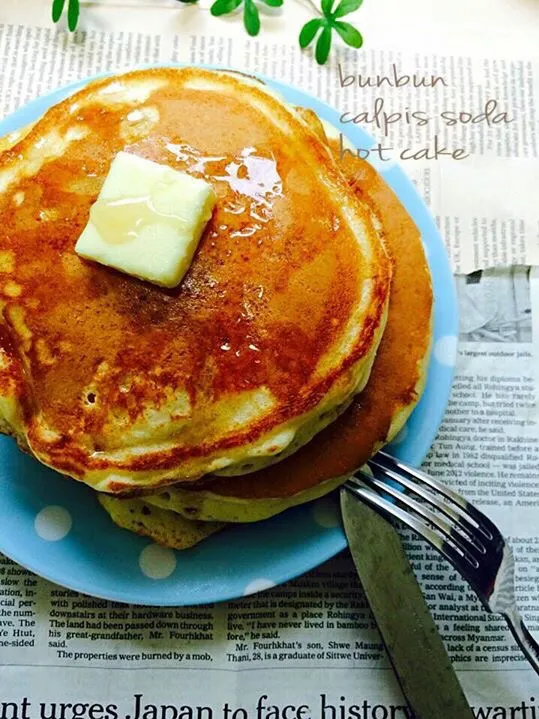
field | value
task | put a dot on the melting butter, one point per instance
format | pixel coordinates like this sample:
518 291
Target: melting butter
122 219
147 220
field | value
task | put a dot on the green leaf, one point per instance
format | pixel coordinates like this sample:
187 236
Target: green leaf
273 3
349 34
251 19
73 11
57 9
323 45
222 7
326 6
345 7
308 31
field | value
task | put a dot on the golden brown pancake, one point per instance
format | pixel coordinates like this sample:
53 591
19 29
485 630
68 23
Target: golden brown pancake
274 328
375 416
164 527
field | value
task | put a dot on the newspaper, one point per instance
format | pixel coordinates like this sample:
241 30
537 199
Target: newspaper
310 649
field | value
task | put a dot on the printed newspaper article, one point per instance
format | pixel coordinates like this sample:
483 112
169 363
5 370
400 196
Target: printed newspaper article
310 649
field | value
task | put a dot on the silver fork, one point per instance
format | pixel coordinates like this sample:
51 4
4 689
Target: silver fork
458 530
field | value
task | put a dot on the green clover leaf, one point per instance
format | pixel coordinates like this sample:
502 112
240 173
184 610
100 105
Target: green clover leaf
326 24
57 9
326 6
323 45
73 12
349 34
345 7
308 31
223 7
251 18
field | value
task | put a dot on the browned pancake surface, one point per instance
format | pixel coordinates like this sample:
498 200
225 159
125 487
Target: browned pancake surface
398 370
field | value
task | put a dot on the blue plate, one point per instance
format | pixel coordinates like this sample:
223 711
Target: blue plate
56 528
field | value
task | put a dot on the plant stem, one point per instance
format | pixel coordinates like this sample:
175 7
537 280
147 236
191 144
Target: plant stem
312 6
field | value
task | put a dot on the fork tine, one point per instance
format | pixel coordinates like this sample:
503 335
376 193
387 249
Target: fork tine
472 550
491 577
449 551
386 461
485 525
466 528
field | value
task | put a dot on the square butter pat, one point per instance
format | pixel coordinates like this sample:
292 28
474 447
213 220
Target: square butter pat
147 220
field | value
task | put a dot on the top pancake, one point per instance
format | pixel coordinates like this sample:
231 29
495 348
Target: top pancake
379 412
274 328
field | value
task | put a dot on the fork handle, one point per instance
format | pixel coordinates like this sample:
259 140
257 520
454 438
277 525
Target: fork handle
524 639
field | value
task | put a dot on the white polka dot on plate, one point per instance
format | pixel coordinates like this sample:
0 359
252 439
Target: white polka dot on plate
445 350
258 585
326 513
157 562
53 523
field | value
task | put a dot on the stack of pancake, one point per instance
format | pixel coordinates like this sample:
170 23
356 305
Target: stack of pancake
295 347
